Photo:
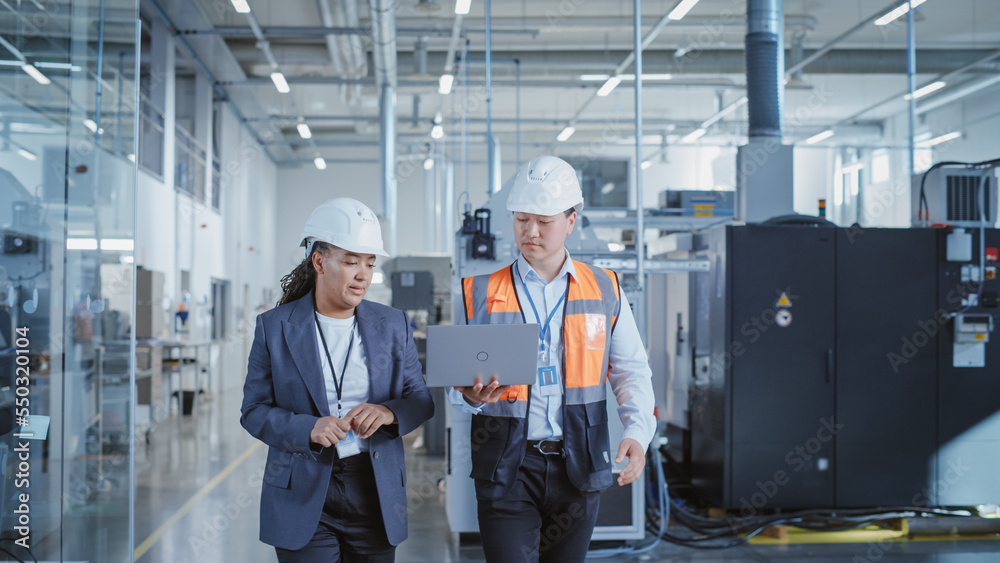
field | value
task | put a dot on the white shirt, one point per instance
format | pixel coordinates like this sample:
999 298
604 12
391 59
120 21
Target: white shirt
629 373
356 384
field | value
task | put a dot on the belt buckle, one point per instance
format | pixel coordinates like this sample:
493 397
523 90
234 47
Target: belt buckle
538 447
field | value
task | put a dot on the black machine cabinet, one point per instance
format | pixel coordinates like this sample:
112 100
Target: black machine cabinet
968 397
823 373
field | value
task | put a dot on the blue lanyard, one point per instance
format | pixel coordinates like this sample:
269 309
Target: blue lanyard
542 328
338 386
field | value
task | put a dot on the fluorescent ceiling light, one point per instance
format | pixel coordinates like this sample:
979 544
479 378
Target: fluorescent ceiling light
118 244
378 277
131 157
932 87
35 73
694 135
566 133
819 137
853 167
280 83
126 259
428 163
645 76
81 244
27 154
938 140
682 9
437 131
304 131
610 85
646 164
462 7
897 12
320 163
89 123
59 66
445 83
241 6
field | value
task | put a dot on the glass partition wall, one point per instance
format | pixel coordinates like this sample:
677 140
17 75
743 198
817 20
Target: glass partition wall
67 188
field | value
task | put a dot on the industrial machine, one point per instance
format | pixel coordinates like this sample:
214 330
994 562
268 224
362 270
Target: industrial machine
622 508
421 286
953 193
844 367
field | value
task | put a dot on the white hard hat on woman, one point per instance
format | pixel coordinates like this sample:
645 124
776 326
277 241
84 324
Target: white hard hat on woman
344 222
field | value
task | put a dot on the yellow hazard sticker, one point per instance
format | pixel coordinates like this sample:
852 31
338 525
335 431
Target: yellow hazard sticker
980 337
783 301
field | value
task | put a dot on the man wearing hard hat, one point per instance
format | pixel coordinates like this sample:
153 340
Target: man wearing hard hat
541 453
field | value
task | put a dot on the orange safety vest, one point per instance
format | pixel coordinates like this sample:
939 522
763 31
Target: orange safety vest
499 432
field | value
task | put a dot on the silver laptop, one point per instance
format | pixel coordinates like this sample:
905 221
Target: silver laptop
456 354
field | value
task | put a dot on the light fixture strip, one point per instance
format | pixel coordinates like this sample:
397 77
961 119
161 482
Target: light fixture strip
896 12
280 83
681 9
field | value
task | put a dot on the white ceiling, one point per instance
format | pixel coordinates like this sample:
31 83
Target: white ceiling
600 31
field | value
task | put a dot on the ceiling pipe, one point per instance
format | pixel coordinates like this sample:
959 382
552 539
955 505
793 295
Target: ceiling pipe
765 54
383 18
223 94
419 73
420 26
956 94
346 52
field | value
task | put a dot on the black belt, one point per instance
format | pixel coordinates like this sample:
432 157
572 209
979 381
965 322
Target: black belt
546 447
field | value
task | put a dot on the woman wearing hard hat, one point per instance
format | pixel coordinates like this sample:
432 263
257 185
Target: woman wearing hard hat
333 383
542 453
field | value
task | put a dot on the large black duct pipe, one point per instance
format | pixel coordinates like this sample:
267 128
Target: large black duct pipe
765 48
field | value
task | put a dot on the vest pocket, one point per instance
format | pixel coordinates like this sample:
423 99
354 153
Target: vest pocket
598 440
490 436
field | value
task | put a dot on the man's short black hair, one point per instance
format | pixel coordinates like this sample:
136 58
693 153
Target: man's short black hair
570 211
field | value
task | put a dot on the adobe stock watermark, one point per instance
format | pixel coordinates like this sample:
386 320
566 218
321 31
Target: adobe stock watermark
927 329
753 329
927 497
796 460
211 528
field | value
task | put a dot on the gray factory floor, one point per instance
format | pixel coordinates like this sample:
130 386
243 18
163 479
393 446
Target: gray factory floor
197 499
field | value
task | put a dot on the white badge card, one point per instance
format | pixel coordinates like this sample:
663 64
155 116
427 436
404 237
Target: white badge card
548 381
348 445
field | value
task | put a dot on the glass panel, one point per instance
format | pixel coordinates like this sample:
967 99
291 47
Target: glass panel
67 186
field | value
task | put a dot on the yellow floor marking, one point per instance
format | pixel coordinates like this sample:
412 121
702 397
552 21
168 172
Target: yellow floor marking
155 536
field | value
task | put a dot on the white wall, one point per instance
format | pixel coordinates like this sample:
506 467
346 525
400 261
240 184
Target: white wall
237 244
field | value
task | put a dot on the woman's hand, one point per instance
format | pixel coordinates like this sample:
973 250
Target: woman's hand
329 430
366 418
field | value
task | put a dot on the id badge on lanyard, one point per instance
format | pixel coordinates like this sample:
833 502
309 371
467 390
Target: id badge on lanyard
348 445
548 375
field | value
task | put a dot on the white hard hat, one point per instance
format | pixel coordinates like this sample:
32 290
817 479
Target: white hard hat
346 223
546 185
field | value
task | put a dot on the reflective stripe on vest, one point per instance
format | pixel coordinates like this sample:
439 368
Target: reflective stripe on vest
591 311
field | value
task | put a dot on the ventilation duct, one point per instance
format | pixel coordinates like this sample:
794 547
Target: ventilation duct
765 60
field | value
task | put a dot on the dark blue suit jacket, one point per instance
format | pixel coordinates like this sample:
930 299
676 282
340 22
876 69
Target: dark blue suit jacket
285 394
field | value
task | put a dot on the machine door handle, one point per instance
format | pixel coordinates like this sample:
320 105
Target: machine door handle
829 364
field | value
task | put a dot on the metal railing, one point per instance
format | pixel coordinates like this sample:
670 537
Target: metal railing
151 134
216 184
189 162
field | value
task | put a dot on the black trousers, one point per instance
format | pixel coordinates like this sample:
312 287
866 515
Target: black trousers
351 528
543 518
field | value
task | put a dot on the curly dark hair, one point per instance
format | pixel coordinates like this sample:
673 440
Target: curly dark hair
300 281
